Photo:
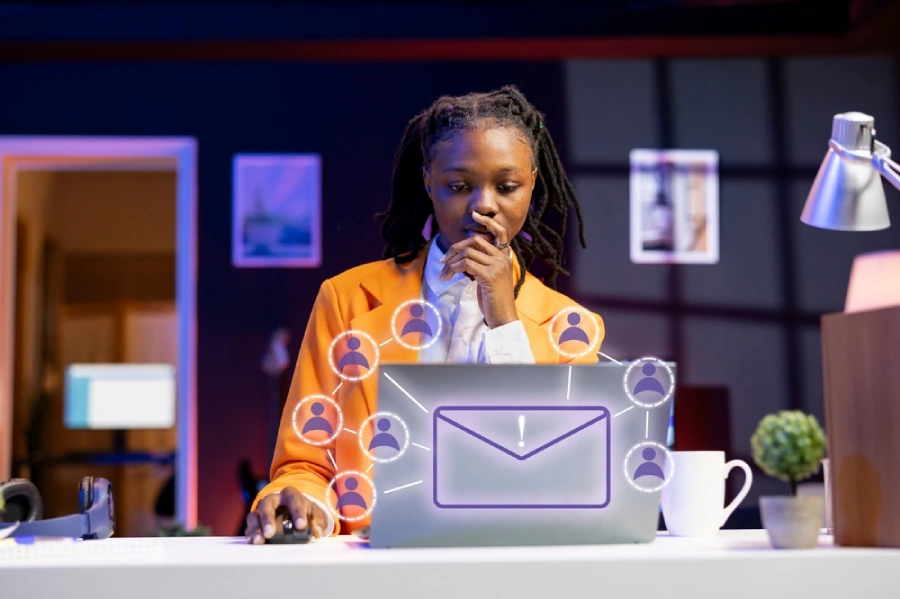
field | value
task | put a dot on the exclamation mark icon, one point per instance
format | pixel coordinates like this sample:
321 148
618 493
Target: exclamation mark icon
521 430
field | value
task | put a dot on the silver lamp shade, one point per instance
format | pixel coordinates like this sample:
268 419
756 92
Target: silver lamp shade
847 194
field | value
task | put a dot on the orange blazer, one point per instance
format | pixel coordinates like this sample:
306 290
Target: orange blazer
364 299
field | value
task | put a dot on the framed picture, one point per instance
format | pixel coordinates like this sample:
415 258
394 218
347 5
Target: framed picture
277 211
674 198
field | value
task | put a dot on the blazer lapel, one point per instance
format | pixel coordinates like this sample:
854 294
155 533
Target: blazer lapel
388 287
535 308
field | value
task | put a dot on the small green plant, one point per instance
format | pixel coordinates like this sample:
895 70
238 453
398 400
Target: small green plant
788 446
178 530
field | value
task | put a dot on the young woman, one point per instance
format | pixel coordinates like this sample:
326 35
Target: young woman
474 179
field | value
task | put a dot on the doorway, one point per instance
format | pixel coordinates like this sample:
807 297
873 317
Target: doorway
29 167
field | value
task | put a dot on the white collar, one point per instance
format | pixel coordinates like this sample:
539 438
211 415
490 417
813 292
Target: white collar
433 269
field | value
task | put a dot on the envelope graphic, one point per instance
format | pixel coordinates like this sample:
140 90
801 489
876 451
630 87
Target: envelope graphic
521 457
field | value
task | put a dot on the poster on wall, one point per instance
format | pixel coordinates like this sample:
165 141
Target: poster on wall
277 211
674 198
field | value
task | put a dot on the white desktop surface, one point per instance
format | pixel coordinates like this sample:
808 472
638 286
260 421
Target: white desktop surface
735 564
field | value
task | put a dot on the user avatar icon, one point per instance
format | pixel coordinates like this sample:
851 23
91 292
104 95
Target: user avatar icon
350 496
384 438
649 467
317 422
648 383
417 323
353 357
574 332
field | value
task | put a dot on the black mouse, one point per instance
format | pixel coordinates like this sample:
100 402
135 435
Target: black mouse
285 533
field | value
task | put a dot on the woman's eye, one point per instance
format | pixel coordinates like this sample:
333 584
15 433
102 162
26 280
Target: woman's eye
508 188
459 187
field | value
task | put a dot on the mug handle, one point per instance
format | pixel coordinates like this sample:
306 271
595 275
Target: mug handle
743 493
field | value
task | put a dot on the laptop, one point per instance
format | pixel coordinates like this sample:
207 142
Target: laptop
506 455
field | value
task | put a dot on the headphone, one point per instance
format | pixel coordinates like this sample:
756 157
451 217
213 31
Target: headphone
24 509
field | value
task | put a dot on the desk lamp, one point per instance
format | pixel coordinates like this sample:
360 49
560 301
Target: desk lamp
860 345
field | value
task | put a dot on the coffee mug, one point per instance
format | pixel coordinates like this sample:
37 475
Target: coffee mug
692 500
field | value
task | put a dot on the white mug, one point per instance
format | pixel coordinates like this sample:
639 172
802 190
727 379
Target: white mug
692 500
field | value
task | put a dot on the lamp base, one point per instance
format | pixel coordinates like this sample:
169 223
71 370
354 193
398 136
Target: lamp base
862 416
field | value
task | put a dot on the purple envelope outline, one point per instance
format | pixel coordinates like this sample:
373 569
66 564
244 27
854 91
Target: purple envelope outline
439 414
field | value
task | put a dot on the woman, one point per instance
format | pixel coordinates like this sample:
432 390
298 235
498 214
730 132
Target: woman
463 225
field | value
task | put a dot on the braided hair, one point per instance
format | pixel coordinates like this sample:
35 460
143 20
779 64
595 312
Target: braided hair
411 206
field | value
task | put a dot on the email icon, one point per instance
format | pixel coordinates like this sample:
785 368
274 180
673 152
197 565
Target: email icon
521 457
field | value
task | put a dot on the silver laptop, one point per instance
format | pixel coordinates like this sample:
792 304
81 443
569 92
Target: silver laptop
479 455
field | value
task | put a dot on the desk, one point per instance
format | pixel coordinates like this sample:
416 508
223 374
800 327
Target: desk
736 564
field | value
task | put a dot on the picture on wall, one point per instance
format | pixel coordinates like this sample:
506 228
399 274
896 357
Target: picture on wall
277 211
674 206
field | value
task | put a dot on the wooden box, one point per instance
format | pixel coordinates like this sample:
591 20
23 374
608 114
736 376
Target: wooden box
861 363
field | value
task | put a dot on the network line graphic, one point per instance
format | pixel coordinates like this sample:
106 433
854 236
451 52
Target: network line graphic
385 437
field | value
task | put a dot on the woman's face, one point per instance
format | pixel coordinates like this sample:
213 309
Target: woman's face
488 171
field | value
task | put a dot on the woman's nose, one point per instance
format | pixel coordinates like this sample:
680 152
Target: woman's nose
484 202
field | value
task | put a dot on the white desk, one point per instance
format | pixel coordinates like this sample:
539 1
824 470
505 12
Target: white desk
734 565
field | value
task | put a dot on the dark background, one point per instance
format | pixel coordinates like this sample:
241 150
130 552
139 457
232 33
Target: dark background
327 78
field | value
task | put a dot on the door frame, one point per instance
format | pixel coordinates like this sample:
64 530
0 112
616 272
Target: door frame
111 153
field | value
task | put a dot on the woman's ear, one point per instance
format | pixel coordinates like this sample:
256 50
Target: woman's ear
426 175
533 177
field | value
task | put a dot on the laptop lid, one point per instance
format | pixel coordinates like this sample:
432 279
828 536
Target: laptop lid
470 455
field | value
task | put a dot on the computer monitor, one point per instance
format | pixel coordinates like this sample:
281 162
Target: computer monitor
120 396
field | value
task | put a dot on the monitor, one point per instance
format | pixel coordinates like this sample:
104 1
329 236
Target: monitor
119 396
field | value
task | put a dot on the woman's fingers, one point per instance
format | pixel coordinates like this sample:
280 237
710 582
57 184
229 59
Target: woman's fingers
266 512
501 238
477 249
253 532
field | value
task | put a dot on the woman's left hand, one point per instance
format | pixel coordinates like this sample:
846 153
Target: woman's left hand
491 267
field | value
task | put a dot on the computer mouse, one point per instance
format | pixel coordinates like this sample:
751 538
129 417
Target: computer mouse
285 533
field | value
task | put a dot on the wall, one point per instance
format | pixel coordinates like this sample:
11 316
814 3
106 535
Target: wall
750 322
735 323
34 191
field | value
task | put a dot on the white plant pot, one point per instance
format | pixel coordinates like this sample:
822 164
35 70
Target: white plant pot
792 522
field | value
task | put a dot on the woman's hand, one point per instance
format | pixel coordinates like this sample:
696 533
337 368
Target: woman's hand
261 521
490 266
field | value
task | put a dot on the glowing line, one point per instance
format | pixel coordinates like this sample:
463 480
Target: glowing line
384 343
421 446
349 431
569 384
331 457
623 411
404 487
608 358
369 468
338 387
647 427
388 377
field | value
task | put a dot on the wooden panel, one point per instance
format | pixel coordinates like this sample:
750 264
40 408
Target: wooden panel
151 336
88 334
104 278
862 413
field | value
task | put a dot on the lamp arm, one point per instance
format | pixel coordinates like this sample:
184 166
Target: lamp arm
882 162
880 158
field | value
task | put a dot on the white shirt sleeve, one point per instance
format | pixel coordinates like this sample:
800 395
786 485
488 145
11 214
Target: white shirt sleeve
508 344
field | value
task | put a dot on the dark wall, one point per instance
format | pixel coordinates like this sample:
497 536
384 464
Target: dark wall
352 115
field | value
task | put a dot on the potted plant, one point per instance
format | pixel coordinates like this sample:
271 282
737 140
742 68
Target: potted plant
788 446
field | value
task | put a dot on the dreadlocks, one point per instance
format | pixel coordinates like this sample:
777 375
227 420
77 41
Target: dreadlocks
410 205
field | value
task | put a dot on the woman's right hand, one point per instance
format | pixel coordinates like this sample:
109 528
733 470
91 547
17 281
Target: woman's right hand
261 521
